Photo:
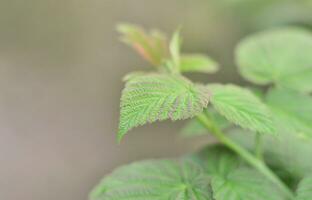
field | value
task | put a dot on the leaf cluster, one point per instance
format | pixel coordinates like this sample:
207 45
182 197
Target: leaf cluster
280 59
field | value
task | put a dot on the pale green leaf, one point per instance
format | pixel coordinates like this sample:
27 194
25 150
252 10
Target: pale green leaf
292 111
241 107
152 46
281 56
175 47
155 180
304 190
155 97
169 67
198 63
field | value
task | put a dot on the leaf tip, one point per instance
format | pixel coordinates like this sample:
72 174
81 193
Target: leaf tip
120 136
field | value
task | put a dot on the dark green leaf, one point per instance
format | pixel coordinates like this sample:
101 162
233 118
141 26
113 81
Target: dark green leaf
304 190
218 160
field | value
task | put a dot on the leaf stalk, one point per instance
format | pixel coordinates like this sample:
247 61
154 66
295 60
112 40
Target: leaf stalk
258 146
242 152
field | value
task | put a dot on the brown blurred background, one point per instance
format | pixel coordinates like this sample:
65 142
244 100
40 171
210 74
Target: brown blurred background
60 80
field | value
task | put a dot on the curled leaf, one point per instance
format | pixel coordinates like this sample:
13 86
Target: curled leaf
151 46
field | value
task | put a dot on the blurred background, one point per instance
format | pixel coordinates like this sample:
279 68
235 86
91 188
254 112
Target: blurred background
61 65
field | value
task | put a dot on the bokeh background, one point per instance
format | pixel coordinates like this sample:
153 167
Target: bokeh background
61 65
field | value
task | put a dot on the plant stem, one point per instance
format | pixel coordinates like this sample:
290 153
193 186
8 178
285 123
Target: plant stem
247 156
258 146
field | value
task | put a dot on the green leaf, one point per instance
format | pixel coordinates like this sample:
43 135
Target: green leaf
155 180
281 56
195 128
155 97
231 179
198 63
244 183
218 160
285 153
175 46
292 111
151 46
304 190
241 107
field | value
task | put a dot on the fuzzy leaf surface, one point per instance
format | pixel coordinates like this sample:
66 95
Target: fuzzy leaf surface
155 97
232 179
155 180
281 56
244 184
242 107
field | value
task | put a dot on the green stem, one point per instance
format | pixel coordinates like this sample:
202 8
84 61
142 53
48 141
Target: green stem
248 157
258 146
